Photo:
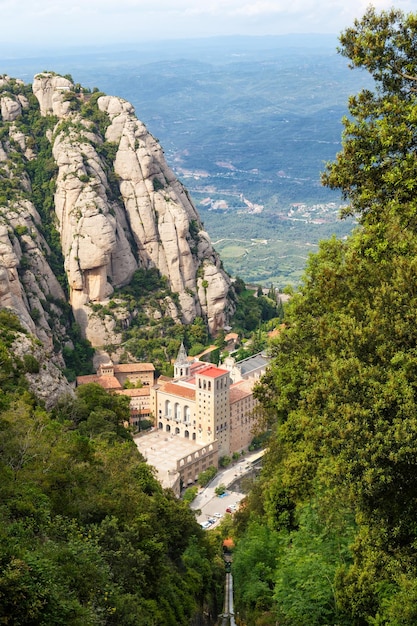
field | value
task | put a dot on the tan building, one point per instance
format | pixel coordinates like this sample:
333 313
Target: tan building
140 405
112 377
203 405
250 368
242 415
132 372
195 404
178 461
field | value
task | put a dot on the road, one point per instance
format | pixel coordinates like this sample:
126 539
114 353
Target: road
206 500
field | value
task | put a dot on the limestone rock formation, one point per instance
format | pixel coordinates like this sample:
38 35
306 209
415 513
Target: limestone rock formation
149 222
109 204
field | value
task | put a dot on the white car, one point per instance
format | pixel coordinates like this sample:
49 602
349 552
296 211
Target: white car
218 515
205 525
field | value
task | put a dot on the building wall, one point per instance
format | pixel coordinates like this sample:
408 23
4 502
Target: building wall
174 414
191 466
122 373
145 377
212 410
207 415
242 423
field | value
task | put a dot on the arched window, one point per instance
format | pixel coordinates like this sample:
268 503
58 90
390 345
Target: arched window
168 408
194 436
187 414
160 426
177 411
168 428
186 434
177 431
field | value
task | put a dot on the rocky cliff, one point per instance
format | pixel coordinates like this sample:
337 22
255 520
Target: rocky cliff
81 177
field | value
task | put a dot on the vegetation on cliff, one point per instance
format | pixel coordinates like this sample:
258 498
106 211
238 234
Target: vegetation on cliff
329 533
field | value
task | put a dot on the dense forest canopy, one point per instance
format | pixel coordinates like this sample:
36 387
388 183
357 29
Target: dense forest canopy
329 534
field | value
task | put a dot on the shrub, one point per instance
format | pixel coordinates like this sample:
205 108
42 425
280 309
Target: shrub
190 494
206 476
31 364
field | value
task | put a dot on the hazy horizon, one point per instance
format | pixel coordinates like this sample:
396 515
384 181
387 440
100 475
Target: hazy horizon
45 24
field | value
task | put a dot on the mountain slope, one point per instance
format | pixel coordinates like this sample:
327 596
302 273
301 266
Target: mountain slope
86 198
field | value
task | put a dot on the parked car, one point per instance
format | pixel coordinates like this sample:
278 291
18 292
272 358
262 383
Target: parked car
205 525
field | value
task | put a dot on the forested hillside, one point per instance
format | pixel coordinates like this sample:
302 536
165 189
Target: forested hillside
330 532
88 536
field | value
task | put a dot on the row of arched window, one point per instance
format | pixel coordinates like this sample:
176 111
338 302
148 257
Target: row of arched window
174 410
168 429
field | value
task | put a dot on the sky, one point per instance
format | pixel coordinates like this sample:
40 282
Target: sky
46 23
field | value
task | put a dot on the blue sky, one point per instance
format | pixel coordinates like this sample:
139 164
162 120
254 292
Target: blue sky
65 23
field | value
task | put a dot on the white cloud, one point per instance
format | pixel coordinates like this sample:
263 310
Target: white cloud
60 21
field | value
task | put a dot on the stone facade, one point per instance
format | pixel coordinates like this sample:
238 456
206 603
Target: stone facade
203 405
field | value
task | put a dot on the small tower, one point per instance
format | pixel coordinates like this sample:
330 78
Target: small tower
182 365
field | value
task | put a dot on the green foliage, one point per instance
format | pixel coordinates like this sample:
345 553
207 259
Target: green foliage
157 185
260 441
190 494
252 311
31 364
338 484
225 461
21 230
206 476
88 535
220 490
254 567
79 359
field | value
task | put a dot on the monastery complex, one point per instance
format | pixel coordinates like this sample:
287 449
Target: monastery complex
203 413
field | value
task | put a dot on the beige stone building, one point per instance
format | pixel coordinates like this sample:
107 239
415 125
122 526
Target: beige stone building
195 403
243 416
112 377
177 460
132 372
140 404
202 404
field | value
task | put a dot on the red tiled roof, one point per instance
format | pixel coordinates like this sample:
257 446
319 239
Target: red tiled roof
179 390
238 393
135 393
107 382
212 372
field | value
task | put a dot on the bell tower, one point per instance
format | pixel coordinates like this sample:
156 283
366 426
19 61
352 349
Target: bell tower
182 365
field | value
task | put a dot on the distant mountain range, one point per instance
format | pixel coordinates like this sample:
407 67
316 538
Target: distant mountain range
246 123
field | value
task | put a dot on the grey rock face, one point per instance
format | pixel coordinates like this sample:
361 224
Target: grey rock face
118 207
105 239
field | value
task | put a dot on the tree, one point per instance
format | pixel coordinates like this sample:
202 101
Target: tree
377 168
341 392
